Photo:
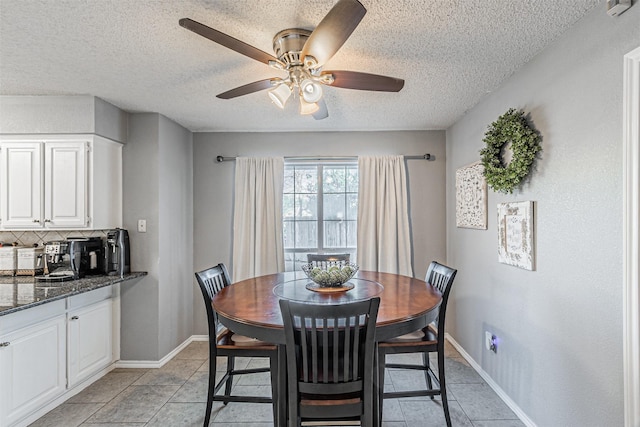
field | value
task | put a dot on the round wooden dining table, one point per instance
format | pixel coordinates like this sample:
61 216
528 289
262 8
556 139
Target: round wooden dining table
250 307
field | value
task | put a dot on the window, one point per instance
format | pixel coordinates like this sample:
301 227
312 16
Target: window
320 210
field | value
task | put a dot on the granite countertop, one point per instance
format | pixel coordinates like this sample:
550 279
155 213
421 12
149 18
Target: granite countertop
22 292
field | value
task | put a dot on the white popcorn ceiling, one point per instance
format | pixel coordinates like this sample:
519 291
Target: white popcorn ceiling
133 54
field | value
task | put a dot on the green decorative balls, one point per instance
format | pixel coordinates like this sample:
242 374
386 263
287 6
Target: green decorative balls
333 276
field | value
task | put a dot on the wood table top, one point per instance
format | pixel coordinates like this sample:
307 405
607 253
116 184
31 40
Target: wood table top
250 307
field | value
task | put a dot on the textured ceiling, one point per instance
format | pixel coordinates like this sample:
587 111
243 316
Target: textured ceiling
133 54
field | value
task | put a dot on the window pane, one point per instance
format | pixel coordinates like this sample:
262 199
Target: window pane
335 234
306 234
333 179
306 206
352 206
288 230
306 179
352 179
333 206
306 202
288 180
352 234
288 207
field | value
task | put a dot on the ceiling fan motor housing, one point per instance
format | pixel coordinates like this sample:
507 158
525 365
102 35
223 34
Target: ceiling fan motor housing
288 44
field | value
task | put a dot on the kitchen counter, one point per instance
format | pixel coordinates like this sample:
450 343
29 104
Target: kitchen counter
22 292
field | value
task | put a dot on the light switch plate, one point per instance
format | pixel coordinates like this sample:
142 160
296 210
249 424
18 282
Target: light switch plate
142 226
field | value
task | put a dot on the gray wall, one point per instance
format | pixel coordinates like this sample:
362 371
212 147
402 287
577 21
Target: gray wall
158 187
213 186
176 238
560 326
62 114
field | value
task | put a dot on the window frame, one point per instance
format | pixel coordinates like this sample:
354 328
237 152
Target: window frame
320 248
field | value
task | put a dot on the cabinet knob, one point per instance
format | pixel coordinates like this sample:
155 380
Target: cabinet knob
4 344
75 318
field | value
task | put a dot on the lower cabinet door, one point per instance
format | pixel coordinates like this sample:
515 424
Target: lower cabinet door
32 368
90 341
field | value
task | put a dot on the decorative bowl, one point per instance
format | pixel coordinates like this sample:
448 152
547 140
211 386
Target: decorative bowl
331 276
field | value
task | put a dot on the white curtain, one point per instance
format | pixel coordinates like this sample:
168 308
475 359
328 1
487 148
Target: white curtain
257 219
384 242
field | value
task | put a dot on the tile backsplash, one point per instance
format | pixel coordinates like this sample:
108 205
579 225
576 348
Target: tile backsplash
31 238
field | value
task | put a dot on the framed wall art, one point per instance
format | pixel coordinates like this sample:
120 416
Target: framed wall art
516 234
471 197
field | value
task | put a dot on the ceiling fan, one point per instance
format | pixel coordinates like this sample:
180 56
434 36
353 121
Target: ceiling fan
302 54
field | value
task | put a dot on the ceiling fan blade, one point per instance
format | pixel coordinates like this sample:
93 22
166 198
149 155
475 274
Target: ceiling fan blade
247 89
322 112
227 41
364 81
334 29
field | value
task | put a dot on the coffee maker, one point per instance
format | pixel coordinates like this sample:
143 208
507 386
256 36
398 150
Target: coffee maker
57 264
117 257
86 255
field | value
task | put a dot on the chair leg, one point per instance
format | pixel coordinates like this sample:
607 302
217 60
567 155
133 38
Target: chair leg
443 387
427 376
230 367
211 390
273 366
282 386
381 368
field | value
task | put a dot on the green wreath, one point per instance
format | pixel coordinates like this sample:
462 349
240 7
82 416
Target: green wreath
525 143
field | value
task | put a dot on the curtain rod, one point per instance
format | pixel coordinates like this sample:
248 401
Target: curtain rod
422 157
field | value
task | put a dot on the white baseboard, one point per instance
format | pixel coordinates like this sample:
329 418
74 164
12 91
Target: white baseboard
491 383
160 363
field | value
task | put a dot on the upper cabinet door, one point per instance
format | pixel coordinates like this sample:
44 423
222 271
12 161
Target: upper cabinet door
21 185
65 196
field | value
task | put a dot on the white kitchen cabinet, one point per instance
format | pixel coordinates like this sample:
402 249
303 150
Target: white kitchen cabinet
90 345
32 368
60 182
49 352
21 184
65 184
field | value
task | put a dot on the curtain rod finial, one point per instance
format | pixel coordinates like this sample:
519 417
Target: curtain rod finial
219 159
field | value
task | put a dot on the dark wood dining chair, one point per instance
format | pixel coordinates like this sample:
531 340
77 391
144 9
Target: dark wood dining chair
224 343
327 260
430 339
330 361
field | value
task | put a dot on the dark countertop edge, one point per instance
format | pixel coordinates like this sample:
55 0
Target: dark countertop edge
79 286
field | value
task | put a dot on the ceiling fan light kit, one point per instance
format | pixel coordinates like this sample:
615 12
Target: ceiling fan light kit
308 107
280 94
302 54
310 90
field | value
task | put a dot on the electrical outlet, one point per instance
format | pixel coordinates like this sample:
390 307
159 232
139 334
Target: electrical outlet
491 341
487 340
142 226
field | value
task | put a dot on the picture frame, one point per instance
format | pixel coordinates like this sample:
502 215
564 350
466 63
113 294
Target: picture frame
471 197
516 234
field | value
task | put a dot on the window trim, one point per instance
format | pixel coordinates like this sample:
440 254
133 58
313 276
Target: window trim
320 164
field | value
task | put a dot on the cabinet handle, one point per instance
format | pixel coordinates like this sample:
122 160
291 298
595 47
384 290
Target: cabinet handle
47 220
4 344
36 220
75 318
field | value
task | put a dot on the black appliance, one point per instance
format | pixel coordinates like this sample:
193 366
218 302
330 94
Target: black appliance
86 256
73 258
117 256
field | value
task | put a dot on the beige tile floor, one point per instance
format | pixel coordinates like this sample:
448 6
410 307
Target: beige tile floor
176 395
